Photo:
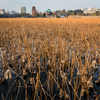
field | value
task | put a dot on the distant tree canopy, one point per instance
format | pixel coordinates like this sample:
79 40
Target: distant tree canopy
44 15
63 11
97 13
15 15
78 12
75 12
69 12
23 14
4 16
40 14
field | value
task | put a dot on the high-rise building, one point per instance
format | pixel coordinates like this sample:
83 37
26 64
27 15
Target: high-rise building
2 11
22 9
34 12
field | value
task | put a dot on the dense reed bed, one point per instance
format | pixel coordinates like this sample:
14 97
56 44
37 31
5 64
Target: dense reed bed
50 59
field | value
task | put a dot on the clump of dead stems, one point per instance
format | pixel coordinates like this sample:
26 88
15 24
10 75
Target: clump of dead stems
54 58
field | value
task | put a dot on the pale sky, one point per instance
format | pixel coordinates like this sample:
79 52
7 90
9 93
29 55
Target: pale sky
42 5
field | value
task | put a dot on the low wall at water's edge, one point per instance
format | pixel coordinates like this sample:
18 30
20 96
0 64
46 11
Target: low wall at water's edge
76 16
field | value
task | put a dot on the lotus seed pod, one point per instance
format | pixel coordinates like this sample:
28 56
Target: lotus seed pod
52 71
94 64
10 76
70 83
12 57
32 80
7 74
23 60
48 62
63 75
89 84
83 92
63 61
84 79
97 54
25 73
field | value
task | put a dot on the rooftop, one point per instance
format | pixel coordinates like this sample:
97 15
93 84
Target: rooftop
48 10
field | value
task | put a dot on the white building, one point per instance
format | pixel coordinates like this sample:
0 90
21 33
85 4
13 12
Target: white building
22 9
2 11
12 12
90 10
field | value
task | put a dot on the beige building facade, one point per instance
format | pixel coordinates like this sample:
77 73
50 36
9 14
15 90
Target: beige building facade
90 10
2 11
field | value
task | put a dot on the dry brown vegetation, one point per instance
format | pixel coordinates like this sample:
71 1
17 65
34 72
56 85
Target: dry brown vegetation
50 58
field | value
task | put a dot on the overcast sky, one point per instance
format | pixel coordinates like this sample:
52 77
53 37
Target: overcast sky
42 5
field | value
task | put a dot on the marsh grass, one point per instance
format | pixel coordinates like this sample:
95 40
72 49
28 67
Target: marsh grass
50 58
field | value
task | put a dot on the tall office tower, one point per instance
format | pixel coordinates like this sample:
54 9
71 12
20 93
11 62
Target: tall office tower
34 12
22 9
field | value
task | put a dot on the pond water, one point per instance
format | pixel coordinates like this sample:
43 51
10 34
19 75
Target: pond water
4 87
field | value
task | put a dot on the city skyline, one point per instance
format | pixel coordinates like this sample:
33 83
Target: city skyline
42 5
